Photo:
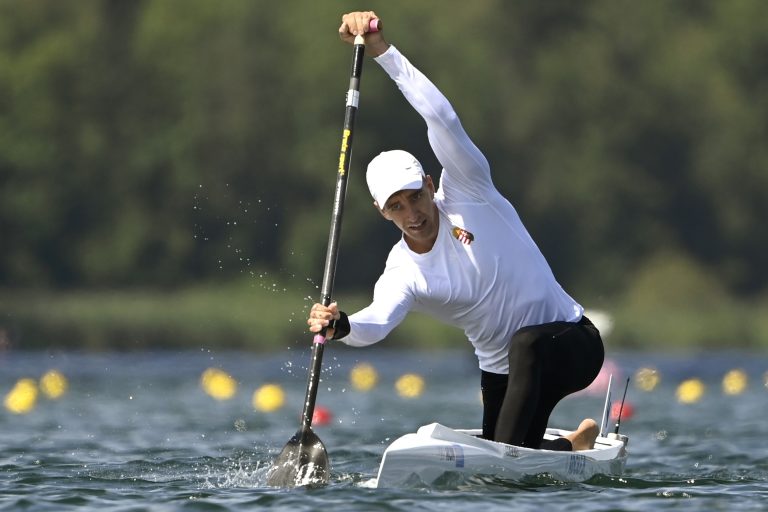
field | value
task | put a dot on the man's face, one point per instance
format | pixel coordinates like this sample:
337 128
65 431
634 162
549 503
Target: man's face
415 213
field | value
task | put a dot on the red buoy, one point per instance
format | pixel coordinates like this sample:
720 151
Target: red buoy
626 413
322 416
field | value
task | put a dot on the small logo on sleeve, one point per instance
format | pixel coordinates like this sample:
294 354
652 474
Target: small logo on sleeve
462 235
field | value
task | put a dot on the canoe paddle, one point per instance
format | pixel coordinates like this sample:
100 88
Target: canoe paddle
304 460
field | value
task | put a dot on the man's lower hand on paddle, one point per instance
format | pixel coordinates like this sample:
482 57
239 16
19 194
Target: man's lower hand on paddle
323 316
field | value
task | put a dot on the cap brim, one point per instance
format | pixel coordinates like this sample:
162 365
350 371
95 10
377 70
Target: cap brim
414 184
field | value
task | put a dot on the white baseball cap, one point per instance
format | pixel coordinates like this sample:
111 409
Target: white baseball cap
393 171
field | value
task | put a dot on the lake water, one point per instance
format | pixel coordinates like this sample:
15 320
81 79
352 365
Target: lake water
137 432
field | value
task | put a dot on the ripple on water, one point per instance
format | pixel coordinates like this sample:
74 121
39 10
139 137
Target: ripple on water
129 436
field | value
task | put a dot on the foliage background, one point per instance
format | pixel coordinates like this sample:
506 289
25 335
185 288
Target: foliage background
153 151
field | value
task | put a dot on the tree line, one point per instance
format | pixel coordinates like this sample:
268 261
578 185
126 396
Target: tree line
167 142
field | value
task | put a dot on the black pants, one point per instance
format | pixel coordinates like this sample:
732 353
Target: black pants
546 363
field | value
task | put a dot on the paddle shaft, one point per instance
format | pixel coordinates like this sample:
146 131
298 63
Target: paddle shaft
304 459
331 257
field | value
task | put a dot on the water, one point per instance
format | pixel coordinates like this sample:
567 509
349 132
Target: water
136 432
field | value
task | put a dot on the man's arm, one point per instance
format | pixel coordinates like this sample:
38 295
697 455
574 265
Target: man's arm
466 168
389 308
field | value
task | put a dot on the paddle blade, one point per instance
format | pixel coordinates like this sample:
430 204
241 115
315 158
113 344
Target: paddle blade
303 461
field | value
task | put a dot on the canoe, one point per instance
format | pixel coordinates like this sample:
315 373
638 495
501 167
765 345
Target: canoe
435 451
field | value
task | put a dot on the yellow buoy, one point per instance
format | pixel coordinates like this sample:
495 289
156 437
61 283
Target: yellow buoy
647 379
690 391
23 397
268 398
735 382
363 377
53 384
218 384
409 385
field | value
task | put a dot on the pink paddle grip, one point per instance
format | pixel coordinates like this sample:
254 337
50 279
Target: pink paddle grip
374 25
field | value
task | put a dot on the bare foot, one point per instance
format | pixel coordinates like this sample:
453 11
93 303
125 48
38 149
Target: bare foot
583 438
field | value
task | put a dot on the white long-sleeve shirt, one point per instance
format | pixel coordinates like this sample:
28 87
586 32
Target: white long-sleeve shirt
489 287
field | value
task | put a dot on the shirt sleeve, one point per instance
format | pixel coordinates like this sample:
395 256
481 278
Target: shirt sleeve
390 306
465 168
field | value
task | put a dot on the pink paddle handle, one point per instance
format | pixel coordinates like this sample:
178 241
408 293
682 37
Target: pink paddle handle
374 25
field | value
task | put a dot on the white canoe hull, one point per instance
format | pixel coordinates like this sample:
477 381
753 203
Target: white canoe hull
435 450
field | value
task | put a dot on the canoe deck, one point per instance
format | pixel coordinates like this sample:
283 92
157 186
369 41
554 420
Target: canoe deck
435 450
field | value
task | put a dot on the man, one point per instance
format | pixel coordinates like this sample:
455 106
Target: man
466 259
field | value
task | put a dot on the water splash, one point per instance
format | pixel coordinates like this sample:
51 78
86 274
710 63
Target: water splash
240 472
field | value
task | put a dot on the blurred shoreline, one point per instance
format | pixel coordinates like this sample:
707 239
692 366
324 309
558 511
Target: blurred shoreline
240 316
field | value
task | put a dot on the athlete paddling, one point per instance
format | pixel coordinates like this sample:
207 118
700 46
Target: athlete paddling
466 259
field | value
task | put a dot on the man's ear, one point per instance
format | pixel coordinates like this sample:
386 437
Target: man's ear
430 184
378 209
